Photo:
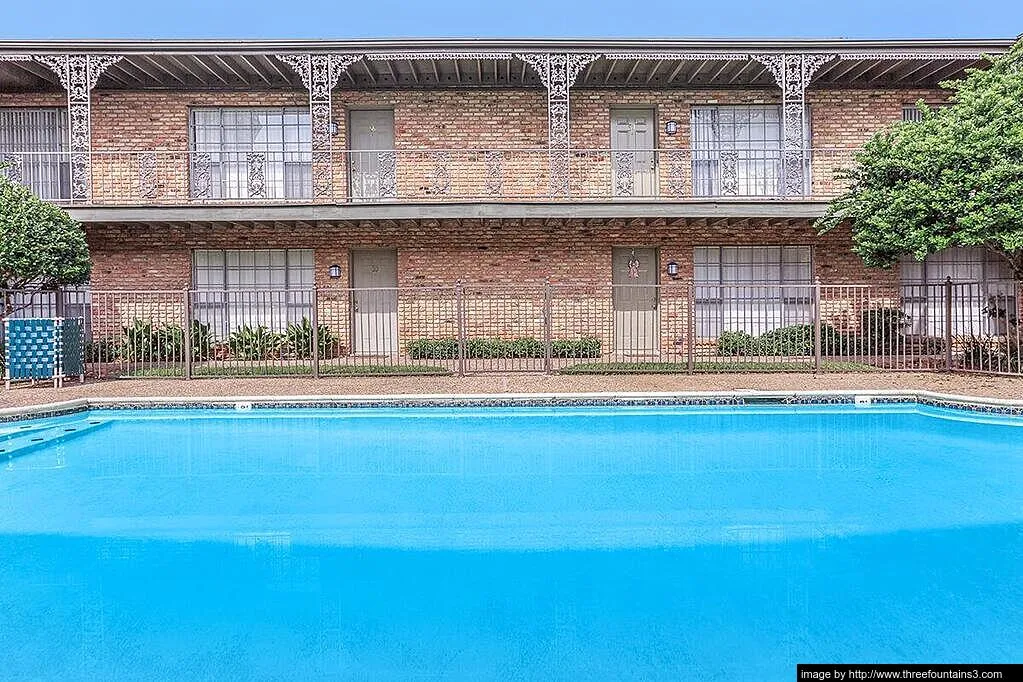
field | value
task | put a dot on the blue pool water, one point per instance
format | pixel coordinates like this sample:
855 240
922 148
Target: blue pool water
594 543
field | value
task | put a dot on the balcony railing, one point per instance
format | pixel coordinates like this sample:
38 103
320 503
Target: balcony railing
427 175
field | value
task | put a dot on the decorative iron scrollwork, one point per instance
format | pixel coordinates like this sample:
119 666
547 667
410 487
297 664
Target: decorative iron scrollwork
202 175
147 175
320 74
558 72
387 174
255 162
677 170
440 183
79 75
793 73
729 169
624 169
494 161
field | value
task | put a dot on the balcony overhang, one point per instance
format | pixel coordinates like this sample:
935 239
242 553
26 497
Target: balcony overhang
804 209
253 64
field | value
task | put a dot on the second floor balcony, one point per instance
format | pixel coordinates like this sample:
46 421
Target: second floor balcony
265 176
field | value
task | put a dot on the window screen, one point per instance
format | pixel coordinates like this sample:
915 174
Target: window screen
737 150
984 281
33 146
271 287
751 288
282 135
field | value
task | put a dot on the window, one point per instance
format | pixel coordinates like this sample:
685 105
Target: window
282 137
751 288
271 287
911 113
33 145
984 284
737 150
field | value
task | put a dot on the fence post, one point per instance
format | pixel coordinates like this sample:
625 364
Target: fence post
548 306
58 302
948 324
187 329
817 326
460 325
691 329
314 321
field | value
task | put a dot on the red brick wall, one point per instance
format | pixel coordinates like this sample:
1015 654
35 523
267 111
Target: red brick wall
440 252
514 120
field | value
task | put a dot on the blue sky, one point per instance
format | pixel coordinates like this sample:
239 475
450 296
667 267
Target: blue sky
510 18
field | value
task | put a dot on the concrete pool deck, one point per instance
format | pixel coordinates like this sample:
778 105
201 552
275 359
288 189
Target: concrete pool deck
1006 388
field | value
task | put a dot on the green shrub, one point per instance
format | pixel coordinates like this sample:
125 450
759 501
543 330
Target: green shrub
882 329
101 350
493 347
432 349
299 340
145 342
256 343
796 339
584 347
202 341
735 343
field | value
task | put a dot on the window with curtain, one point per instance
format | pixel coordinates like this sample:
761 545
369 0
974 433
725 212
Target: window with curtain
271 287
283 135
33 145
984 285
751 288
737 150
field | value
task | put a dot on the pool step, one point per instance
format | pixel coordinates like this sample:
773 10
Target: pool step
20 442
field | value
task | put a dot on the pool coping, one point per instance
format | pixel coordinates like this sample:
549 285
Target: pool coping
732 397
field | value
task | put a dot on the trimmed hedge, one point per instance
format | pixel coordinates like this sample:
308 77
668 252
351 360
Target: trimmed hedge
492 347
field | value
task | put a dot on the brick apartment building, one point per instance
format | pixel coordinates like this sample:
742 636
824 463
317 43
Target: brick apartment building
377 164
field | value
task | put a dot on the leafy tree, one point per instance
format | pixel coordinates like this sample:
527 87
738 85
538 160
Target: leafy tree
953 179
41 246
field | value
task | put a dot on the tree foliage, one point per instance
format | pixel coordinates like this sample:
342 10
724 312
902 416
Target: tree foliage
41 246
953 179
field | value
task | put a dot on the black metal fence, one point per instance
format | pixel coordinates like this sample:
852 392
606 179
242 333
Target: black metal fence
541 327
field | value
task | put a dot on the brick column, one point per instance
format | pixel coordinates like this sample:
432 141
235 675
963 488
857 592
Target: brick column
558 72
320 74
793 73
78 74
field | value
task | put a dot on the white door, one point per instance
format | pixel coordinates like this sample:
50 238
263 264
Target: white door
373 161
633 161
375 302
635 301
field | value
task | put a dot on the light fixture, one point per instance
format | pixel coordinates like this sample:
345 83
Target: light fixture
670 127
334 129
334 271
672 269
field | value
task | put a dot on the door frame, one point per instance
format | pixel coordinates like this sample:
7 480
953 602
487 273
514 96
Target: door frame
656 347
352 252
350 151
654 109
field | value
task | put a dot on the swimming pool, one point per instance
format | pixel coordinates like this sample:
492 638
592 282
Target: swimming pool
573 542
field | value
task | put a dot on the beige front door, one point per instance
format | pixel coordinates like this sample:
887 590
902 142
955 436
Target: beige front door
635 301
633 161
375 302
373 161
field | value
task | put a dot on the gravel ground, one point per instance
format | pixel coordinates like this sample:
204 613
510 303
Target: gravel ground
977 385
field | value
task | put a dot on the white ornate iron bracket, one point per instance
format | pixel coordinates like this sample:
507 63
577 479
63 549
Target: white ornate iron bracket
558 73
793 73
320 74
79 75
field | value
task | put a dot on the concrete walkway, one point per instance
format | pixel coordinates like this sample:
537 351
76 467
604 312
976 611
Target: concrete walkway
976 385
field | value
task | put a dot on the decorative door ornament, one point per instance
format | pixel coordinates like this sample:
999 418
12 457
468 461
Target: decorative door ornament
633 265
